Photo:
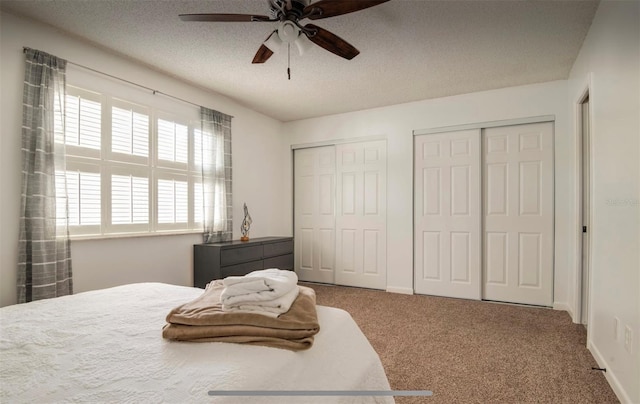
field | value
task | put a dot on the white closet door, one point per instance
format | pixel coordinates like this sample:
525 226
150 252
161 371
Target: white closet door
447 214
518 209
314 213
361 239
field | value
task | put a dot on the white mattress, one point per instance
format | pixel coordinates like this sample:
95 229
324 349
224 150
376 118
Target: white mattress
106 346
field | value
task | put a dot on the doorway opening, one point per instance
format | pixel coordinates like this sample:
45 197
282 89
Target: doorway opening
584 215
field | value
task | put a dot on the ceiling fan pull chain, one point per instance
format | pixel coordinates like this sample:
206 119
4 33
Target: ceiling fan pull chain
289 60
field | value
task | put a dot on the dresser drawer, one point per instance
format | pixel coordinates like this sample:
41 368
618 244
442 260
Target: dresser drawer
280 262
230 256
280 248
238 258
241 269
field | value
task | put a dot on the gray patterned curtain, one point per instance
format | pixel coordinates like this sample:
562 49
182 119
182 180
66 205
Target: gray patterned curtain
44 260
216 175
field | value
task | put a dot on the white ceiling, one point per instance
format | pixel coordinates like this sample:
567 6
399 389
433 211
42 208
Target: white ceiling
410 49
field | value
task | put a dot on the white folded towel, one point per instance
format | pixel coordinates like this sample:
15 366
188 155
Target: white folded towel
258 286
271 308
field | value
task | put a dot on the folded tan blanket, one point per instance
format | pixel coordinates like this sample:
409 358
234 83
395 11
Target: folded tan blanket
203 320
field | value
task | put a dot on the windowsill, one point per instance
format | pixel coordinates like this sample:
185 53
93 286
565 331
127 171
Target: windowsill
83 237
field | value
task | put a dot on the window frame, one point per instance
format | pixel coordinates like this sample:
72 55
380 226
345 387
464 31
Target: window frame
112 94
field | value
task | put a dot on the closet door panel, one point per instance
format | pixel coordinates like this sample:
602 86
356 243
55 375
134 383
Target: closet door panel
518 217
447 214
361 214
314 213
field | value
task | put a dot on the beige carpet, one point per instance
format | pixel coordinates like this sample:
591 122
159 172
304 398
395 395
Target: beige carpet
474 352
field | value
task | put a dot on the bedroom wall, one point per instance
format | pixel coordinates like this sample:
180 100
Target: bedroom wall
398 122
257 148
609 63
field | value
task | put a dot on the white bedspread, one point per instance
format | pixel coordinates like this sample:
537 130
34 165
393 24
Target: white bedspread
106 346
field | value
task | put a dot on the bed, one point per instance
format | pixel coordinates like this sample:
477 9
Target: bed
106 346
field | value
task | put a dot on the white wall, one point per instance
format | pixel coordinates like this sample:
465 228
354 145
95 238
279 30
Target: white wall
258 168
609 63
398 122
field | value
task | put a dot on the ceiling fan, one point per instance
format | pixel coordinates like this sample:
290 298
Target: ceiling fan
288 14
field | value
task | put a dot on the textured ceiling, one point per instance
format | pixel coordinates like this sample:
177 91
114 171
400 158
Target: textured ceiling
410 49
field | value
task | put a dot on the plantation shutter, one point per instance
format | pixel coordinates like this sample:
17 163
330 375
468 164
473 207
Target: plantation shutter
83 193
129 199
129 132
80 184
83 119
173 201
173 141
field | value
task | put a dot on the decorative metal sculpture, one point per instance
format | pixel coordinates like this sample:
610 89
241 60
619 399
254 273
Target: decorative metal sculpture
246 224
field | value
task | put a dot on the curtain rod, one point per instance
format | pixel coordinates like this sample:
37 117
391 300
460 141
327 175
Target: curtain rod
154 92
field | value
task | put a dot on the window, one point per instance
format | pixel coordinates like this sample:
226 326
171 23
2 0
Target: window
173 141
129 199
83 192
129 129
131 166
83 197
173 202
83 118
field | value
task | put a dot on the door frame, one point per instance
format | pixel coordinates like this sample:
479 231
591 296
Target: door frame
585 93
486 125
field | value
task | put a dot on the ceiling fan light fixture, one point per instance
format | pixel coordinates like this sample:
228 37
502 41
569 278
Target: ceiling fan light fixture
273 42
303 44
288 32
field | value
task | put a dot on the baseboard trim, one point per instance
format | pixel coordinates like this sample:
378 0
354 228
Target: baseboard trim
565 307
402 291
609 374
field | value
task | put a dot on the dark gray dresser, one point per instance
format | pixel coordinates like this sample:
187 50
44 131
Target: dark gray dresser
237 258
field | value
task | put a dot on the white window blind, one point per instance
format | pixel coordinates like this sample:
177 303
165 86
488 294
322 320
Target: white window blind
83 197
129 132
83 191
173 141
173 202
129 199
83 122
133 160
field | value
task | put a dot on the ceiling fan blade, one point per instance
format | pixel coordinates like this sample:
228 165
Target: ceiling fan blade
225 17
332 8
331 42
262 55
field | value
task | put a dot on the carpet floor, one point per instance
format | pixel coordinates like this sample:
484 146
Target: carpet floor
474 352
